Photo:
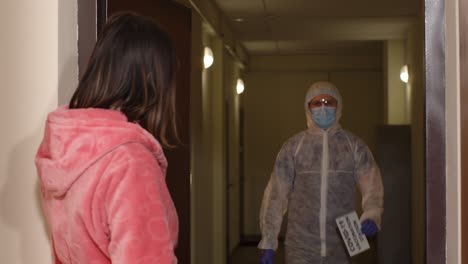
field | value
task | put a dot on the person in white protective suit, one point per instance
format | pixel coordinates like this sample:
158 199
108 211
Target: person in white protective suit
314 179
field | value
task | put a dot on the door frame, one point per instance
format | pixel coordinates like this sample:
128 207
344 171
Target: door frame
434 69
463 27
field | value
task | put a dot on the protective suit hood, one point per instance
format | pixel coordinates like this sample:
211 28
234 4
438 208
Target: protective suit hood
322 88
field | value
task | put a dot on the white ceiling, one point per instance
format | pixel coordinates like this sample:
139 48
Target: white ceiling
318 26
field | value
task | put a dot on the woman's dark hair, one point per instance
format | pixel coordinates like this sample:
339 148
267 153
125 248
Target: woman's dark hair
133 69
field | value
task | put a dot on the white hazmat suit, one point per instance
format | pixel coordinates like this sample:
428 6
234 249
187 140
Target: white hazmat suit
314 179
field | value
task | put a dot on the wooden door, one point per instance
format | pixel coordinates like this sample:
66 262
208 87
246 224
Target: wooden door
176 20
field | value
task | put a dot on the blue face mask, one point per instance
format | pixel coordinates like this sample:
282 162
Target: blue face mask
324 116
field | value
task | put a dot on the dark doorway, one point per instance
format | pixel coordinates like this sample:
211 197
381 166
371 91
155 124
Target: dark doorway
176 20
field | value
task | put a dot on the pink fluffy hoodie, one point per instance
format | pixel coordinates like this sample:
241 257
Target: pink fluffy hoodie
103 190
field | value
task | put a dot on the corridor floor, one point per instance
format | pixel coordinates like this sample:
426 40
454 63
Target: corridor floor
251 255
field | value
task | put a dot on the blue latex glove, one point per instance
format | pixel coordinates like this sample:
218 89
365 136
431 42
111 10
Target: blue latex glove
369 228
267 256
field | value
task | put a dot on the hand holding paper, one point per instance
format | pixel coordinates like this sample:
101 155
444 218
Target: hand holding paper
354 240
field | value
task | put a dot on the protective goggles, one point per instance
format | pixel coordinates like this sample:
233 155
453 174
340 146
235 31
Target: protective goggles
323 102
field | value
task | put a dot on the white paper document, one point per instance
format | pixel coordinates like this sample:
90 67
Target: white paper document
350 229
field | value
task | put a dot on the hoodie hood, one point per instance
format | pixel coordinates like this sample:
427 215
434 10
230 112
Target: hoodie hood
75 139
322 88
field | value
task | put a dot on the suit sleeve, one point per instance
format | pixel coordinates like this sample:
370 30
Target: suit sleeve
370 184
276 198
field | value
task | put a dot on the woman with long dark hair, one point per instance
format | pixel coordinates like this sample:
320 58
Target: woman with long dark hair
101 164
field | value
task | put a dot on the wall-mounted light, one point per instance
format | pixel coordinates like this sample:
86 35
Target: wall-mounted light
208 58
240 86
404 75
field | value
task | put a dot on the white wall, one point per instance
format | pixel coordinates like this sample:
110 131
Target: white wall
212 89
274 110
452 72
203 182
397 113
232 101
37 54
218 150
200 245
